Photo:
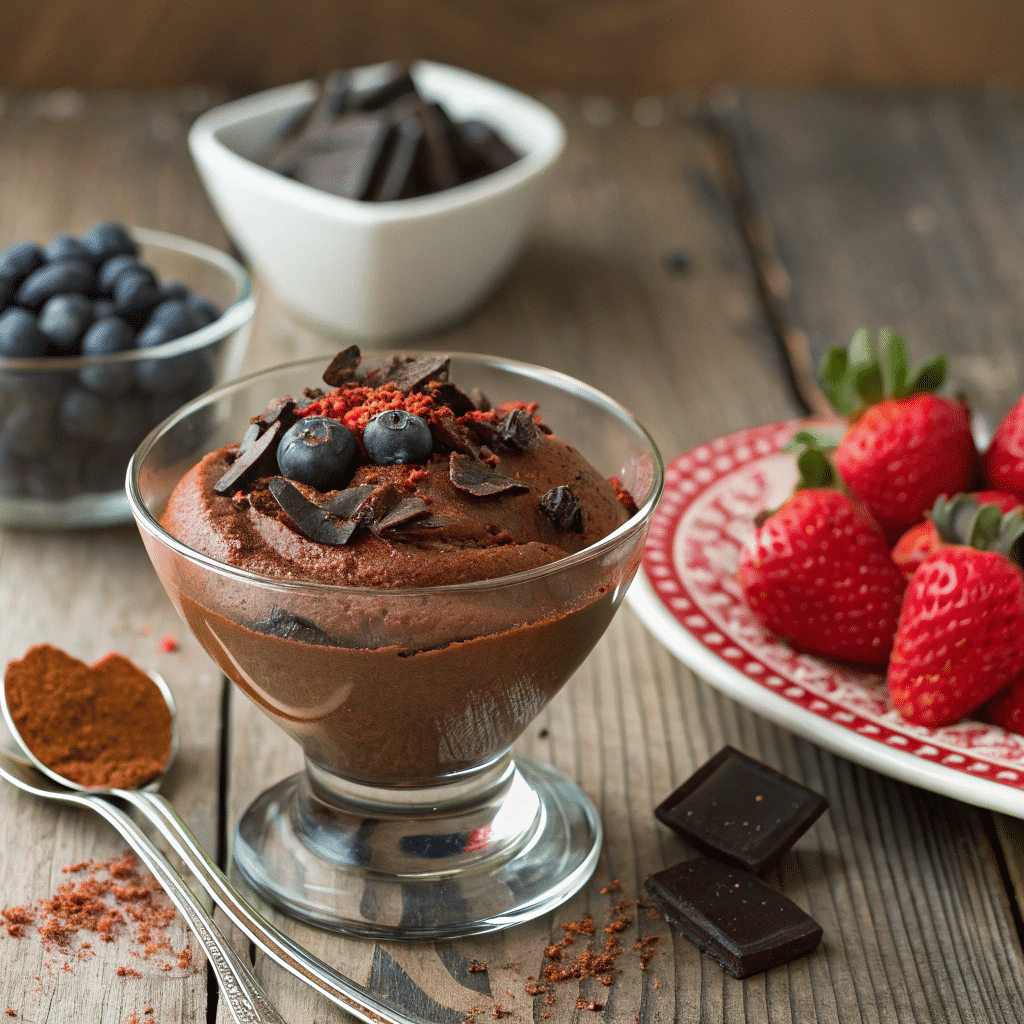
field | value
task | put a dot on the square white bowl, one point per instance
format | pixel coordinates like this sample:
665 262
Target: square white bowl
378 270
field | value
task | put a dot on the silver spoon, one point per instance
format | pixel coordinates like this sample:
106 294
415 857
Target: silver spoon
285 951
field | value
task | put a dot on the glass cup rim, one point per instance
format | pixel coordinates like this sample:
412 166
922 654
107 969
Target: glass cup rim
235 316
146 521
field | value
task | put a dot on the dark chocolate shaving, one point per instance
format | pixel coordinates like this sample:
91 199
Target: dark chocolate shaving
562 507
517 430
342 367
310 519
473 477
293 627
258 460
416 373
254 431
405 511
450 434
346 503
280 410
444 392
380 502
313 393
484 431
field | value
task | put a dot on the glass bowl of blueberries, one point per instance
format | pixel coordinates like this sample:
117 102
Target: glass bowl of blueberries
102 336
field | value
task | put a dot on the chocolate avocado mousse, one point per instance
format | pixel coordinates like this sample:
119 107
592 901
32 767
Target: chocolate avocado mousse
396 480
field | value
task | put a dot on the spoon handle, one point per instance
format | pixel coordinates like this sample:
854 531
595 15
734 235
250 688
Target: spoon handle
285 951
246 1001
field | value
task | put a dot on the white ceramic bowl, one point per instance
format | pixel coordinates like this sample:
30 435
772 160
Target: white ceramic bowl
378 270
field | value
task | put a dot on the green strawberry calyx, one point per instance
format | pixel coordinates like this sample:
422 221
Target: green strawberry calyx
875 369
813 462
961 520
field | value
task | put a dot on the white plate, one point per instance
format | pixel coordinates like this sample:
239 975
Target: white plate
687 595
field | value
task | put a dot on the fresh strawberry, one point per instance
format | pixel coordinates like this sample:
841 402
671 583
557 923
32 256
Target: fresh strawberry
1004 459
820 576
959 636
905 446
921 540
1006 708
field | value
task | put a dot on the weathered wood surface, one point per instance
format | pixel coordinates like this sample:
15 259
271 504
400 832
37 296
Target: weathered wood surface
918 923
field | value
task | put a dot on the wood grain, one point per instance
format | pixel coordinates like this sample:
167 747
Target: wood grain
617 47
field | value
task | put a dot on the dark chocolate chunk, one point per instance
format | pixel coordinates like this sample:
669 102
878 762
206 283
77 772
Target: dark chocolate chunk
450 434
404 512
484 431
280 410
313 394
444 392
562 507
293 627
343 367
415 374
376 85
346 503
732 916
398 178
480 400
356 161
439 169
312 520
741 811
258 460
517 430
248 438
473 477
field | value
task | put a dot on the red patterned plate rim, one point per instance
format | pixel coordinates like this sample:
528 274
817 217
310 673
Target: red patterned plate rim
688 597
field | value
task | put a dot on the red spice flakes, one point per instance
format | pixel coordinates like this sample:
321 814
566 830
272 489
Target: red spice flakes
168 643
476 967
114 901
497 1013
588 1004
645 947
534 987
11 1012
356 405
616 886
584 926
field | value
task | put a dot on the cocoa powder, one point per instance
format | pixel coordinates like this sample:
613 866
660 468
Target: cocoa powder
102 726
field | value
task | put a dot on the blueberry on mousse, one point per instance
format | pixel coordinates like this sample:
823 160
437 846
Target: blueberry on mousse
397 437
320 452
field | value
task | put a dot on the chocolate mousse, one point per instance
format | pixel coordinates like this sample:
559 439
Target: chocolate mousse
394 481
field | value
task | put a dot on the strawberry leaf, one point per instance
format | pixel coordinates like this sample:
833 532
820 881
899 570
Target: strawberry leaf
929 377
1010 538
825 438
835 381
892 357
815 470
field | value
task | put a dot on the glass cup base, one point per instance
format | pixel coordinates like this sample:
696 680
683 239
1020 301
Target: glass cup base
495 849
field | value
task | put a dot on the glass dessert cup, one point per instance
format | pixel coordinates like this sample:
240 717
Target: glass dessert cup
412 818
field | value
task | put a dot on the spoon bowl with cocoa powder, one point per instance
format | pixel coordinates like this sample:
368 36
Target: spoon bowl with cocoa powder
103 726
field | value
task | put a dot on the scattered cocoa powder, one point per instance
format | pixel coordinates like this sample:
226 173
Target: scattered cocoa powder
113 901
104 725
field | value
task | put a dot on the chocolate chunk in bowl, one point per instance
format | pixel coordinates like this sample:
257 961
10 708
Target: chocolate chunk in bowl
407 660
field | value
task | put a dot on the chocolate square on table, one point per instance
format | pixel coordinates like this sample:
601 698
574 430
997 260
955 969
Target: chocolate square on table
733 917
741 811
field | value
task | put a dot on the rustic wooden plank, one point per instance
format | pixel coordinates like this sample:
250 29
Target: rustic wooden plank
629 47
874 210
900 210
63 167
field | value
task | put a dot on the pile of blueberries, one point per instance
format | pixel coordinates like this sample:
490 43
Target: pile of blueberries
66 432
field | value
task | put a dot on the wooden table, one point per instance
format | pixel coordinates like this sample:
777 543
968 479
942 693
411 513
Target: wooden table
691 261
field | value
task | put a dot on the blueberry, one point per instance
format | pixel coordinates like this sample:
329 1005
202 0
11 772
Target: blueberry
54 279
84 414
20 259
110 269
20 337
54 477
12 472
203 310
396 436
107 239
64 319
320 452
174 290
171 373
128 423
30 428
102 308
171 319
67 247
105 337
135 294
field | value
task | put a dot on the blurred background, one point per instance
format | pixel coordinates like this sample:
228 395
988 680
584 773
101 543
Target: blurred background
624 48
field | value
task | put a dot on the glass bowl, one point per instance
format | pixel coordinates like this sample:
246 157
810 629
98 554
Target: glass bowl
412 818
64 448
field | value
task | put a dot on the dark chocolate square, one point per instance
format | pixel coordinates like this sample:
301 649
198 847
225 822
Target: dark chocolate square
741 811
732 916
